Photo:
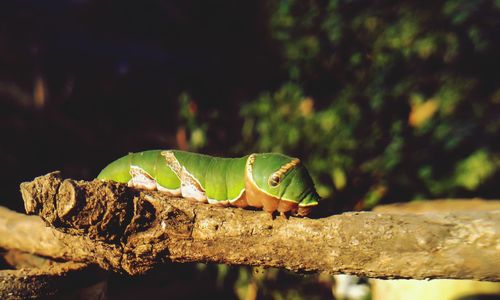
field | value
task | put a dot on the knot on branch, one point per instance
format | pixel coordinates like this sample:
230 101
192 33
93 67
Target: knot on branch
103 211
39 196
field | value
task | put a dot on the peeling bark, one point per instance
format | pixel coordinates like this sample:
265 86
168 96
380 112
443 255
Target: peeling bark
124 229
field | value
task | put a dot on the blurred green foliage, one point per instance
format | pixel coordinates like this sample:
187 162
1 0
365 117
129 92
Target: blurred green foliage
385 100
191 125
266 283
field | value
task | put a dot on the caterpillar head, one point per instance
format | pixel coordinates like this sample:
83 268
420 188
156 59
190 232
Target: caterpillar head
284 178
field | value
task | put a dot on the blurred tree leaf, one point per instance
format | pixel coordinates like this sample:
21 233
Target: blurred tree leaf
474 169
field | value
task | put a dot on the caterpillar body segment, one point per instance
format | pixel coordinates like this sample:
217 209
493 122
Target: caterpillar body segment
271 181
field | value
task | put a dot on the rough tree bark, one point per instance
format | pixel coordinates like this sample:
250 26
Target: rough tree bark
23 275
31 276
125 229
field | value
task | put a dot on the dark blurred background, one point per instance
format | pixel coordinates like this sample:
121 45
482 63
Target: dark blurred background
384 101
84 82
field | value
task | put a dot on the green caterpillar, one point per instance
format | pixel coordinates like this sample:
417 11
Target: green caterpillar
271 181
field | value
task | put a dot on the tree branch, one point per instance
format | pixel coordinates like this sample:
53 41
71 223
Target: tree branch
31 276
124 229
